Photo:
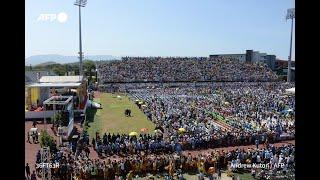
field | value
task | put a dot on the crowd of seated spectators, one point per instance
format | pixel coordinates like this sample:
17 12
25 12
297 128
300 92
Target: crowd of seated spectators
79 165
186 69
250 110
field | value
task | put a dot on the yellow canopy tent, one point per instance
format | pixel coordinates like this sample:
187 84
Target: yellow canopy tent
35 95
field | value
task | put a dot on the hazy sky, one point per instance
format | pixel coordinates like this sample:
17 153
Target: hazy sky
159 27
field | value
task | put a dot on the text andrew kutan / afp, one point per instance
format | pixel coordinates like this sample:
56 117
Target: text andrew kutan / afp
257 165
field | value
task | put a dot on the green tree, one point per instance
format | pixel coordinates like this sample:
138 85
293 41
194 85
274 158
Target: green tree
62 69
46 140
89 69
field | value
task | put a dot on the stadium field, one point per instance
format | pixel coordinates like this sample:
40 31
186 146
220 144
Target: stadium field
111 117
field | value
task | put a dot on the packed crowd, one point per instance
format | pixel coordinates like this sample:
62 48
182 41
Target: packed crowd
274 159
253 113
124 145
250 111
125 87
78 165
186 69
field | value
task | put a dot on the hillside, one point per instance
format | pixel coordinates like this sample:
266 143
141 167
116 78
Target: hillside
60 59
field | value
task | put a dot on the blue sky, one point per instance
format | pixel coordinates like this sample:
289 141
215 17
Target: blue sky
160 27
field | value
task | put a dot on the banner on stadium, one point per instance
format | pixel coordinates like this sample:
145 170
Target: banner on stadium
217 116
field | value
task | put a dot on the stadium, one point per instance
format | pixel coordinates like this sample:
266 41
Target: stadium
222 116
186 116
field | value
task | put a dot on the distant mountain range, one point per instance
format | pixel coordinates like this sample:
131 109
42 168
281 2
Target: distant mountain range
60 59
45 63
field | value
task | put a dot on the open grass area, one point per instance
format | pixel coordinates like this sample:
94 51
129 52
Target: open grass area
111 117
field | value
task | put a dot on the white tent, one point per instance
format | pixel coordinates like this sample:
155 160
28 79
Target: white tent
291 90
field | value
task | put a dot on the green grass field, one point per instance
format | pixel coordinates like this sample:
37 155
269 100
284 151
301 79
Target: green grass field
111 117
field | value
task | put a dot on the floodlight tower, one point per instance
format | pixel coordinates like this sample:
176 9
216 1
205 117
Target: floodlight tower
290 15
80 3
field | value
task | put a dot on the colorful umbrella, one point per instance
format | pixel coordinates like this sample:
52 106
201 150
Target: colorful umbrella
182 130
133 134
157 131
144 130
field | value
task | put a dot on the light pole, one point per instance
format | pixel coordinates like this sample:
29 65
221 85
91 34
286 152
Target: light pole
80 3
96 66
96 75
290 15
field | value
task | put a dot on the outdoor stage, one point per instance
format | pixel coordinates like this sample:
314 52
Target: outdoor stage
49 86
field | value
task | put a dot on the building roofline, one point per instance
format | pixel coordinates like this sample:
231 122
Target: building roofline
224 54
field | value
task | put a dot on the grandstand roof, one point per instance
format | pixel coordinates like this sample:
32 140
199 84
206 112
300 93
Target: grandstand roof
54 85
61 79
